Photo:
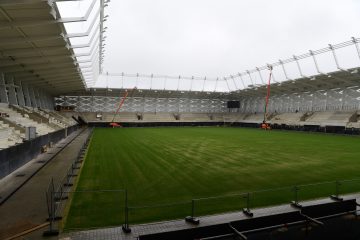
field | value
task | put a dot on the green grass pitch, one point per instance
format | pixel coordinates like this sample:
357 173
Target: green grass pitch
164 166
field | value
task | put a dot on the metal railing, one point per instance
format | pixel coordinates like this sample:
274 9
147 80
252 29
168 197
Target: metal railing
108 208
57 193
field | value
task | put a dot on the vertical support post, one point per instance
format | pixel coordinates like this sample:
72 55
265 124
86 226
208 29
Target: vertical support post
37 97
191 83
262 80
326 100
336 196
178 84
312 101
151 81
298 66
203 88
165 82
11 90
296 203
3 95
42 96
122 80
356 46
247 210
335 58
227 83
192 208
248 72
51 231
191 218
20 94
315 62
216 83
343 95
284 70
232 77
32 97
242 80
52 217
125 226
137 80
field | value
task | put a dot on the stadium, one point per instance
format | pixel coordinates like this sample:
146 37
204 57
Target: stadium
271 152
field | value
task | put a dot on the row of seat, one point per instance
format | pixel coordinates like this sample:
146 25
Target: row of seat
334 118
15 119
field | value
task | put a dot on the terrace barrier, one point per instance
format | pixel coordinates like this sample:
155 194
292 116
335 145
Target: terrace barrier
16 156
108 208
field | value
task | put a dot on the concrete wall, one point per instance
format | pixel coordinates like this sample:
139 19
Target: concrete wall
14 157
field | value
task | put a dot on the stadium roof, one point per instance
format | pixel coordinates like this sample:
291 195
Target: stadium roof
152 93
36 48
334 80
334 67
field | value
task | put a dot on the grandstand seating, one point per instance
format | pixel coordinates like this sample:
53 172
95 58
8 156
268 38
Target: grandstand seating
233 117
123 117
253 118
354 121
9 136
345 119
287 118
66 121
194 117
158 117
217 117
25 121
14 120
336 118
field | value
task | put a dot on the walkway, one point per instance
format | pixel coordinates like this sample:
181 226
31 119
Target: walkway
26 208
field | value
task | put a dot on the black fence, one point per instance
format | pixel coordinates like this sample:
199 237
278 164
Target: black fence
58 193
305 128
16 156
157 124
308 217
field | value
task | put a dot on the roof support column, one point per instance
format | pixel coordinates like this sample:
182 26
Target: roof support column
51 103
42 97
37 97
32 97
11 90
335 58
26 93
357 46
47 101
3 95
20 93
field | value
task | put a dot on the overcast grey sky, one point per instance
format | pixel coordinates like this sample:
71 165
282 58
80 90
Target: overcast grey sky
216 38
220 37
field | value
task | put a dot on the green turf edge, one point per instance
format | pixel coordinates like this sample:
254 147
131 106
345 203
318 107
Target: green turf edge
73 188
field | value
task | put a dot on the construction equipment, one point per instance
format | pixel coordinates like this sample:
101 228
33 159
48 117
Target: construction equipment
127 92
265 125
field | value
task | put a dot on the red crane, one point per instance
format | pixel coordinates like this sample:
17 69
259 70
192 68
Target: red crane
264 124
113 123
